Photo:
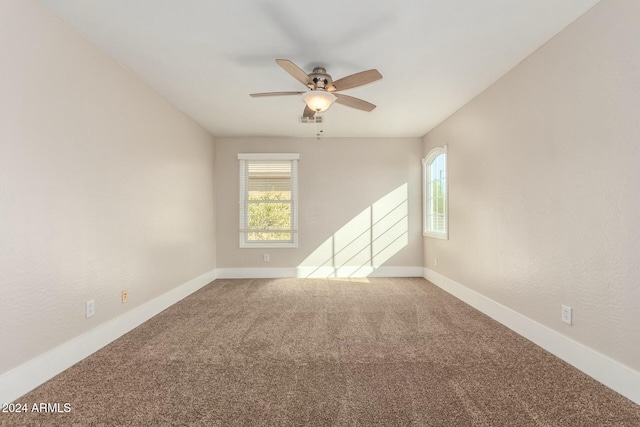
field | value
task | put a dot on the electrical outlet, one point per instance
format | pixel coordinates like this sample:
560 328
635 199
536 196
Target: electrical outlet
436 261
265 257
91 308
566 314
125 296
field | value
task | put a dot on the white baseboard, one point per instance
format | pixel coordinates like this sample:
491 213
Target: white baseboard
255 273
29 375
614 375
318 272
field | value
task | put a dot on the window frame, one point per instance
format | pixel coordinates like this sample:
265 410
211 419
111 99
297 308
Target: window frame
243 202
427 162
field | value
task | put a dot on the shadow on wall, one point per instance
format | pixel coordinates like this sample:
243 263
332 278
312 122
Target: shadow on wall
364 243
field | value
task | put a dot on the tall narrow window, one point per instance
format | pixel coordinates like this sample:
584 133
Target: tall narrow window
435 194
268 200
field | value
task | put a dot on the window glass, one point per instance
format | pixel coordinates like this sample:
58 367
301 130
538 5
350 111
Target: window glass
435 194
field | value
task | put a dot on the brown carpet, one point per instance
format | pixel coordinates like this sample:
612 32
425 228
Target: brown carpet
305 352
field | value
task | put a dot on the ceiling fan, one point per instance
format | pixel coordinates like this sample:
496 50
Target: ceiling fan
323 90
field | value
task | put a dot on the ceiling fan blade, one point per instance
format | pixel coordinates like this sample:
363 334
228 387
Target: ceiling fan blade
295 71
355 80
255 95
352 102
308 112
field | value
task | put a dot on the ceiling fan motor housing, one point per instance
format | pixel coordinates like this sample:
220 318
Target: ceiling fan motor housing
320 78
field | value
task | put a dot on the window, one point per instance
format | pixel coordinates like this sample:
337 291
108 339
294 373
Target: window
268 200
435 194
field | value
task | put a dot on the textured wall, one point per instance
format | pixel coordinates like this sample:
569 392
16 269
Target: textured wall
340 180
103 186
544 200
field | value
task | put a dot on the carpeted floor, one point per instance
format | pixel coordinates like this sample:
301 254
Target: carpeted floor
307 352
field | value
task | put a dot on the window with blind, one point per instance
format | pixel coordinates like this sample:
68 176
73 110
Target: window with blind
268 200
435 194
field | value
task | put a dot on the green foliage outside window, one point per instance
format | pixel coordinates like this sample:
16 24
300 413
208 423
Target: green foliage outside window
269 210
438 194
438 197
438 201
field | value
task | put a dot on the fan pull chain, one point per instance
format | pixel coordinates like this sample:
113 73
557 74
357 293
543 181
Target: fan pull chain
320 131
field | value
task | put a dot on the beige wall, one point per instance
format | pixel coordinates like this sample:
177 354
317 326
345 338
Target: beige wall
544 173
103 186
343 184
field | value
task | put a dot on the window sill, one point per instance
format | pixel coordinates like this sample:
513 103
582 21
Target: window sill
265 245
441 236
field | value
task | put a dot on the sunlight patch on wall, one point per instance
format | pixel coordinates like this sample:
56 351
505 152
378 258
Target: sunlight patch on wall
365 243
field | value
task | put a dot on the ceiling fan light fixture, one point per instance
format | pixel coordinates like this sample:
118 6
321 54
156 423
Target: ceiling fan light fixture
318 100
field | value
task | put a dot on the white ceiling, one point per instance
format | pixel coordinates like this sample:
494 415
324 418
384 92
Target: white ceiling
206 56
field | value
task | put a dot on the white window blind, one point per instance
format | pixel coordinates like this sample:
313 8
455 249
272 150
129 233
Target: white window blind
268 200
